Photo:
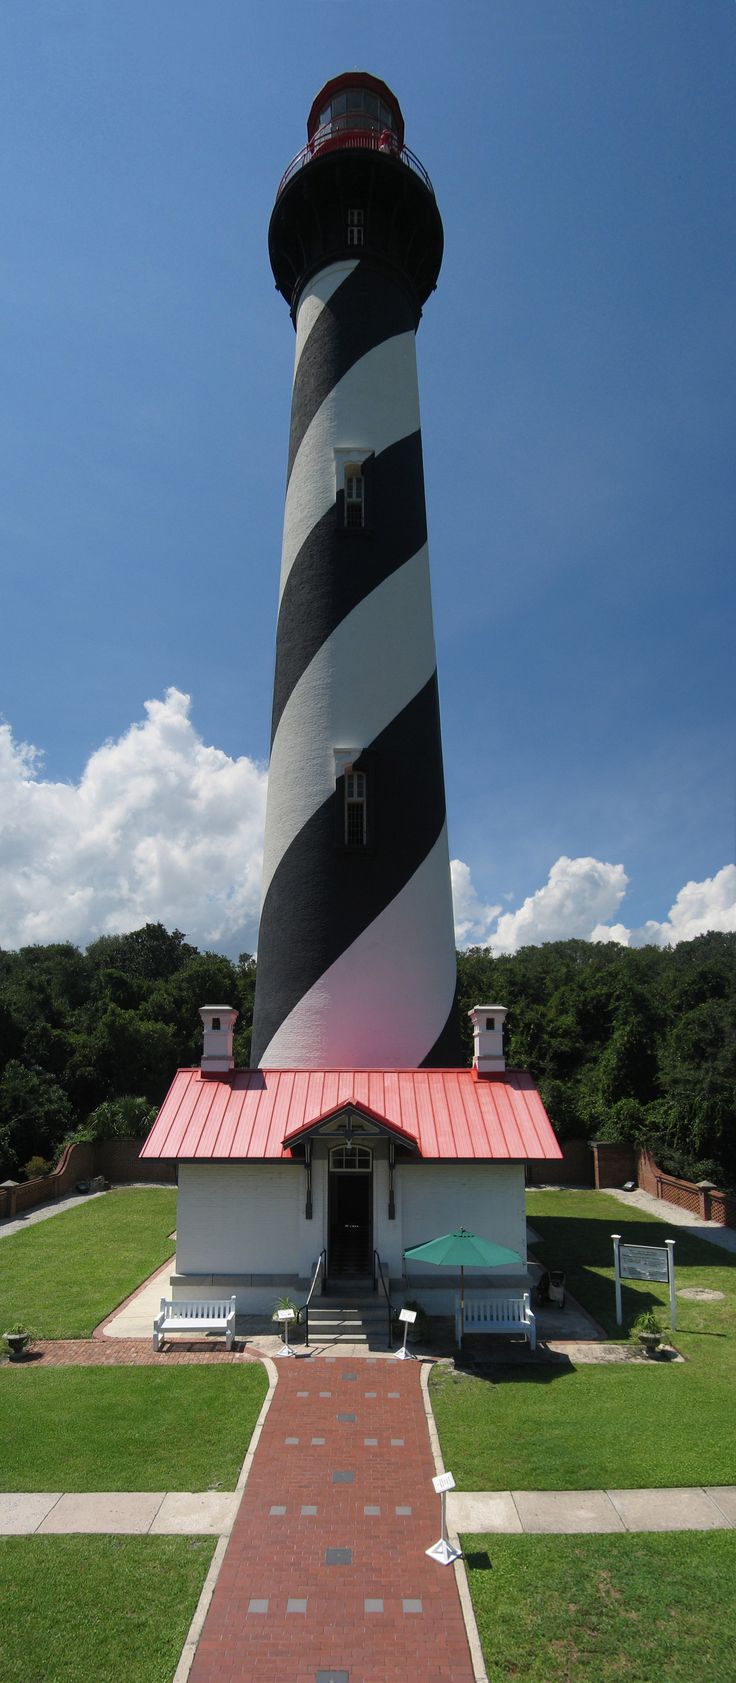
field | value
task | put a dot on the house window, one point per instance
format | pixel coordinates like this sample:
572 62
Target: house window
357 1159
356 227
490 1022
354 496
355 809
215 1022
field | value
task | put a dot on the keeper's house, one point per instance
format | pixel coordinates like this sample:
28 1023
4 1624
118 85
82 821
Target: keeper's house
277 1166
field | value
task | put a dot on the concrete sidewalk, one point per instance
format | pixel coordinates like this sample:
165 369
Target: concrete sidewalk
155 1513
712 1231
212 1512
701 1508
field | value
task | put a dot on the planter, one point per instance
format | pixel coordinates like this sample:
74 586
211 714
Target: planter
16 1342
650 1342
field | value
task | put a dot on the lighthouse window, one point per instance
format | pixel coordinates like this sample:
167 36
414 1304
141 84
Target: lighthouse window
355 809
354 495
356 227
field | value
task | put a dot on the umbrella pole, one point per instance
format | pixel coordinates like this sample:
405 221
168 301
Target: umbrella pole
462 1303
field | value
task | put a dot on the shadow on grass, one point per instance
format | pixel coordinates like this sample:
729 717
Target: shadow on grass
478 1560
520 1373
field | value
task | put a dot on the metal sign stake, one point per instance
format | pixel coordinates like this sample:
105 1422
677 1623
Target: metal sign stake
443 1550
285 1316
408 1316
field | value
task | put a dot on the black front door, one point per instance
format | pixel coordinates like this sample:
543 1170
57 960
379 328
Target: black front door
350 1223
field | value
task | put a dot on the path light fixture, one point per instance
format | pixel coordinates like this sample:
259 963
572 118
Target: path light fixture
443 1550
408 1316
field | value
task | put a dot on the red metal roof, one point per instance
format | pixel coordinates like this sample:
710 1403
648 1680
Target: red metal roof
443 1114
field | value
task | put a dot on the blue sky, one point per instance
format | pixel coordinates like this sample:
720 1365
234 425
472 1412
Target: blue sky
577 379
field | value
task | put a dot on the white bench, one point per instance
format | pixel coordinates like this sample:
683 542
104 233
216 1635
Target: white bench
177 1316
497 1314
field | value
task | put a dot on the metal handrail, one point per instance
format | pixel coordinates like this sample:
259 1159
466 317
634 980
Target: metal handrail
369 140
378 1274
304 1310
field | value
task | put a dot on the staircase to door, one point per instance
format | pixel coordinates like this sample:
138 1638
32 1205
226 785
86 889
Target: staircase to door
348 1313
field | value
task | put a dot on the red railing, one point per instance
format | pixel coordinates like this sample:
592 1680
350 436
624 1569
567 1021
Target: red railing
333 137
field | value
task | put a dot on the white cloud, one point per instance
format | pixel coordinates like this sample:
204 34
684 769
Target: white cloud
160 827
472 919
579 898
699 906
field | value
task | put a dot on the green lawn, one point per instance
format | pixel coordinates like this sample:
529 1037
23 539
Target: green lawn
638 1608
127 1428
108 1608
548 1428
63 1276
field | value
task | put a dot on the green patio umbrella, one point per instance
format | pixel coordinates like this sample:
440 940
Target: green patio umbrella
463 1250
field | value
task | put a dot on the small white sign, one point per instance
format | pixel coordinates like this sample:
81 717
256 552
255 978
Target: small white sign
444 1481
285 1315
409 1315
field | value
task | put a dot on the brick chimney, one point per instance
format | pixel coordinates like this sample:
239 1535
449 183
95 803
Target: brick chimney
488 1021
218 1022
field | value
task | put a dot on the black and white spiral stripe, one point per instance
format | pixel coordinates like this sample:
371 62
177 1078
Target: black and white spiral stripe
356 958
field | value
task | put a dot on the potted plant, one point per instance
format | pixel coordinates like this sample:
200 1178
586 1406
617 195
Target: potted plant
420 1330
17 1338
648 1331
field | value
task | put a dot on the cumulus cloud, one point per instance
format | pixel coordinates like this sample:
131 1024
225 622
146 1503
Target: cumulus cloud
160 827
580 897
473 920
699 906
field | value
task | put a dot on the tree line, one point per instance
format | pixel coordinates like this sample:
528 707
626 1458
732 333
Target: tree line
633 1044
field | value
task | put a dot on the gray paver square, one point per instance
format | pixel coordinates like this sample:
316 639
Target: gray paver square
343 1478
21 1513
370 1443
397 1443
318 1440
332 1677
308 1508
373 1604
278 1508
668 1510
394 1393
566 1511
258 1604
370 1393
302 1393
104 1511
411 1604
291 1440
725 1497
371 1512
207 1513
296 1604
402 1513
348 1417
338 1557
325 1393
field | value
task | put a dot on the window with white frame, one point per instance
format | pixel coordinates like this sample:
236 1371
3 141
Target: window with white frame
357 1159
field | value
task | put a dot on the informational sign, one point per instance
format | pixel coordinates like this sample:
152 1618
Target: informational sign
408 1315
645 1262
443 1481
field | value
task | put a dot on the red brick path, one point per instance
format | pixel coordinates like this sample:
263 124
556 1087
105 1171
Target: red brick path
389 1615
130 1352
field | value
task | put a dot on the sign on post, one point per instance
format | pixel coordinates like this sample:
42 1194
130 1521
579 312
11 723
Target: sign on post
645 1262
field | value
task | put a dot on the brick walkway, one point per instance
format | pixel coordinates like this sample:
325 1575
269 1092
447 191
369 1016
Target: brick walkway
343 1468
129 1352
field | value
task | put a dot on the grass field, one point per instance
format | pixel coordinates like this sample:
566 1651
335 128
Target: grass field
127 1428
73 1609
61 1277
548 1428
633 1609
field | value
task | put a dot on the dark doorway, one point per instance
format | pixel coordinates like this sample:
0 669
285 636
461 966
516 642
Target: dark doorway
350 1212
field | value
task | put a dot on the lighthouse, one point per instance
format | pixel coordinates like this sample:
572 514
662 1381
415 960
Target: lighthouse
356 951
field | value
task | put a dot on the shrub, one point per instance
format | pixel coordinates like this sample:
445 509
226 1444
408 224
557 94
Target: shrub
38 1166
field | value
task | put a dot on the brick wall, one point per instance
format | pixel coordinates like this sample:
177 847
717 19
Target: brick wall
117 1160
575 1169
703 1201
613 1164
